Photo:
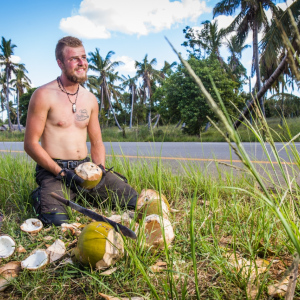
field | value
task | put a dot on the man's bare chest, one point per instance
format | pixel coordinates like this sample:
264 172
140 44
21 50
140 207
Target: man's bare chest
61 114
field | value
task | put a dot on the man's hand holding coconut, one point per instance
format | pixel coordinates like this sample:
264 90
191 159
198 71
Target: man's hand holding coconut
60 116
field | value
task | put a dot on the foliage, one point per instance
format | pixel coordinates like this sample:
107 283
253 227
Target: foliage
183 98
24 102
291 105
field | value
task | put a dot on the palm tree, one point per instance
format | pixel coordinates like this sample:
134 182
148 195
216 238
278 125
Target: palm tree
211 38
20 83
3 92
105 67
149 75
6 51
167 69
252 16
235 49
130 82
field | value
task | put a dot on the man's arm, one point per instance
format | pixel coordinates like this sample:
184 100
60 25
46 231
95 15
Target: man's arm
35 124
94 132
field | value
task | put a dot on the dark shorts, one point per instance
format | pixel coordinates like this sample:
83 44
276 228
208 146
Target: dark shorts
112 191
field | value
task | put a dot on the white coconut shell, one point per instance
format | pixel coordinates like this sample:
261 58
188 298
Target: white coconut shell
37 260
89 171
8 272
56 250
7 246
32 226
154 234
151 202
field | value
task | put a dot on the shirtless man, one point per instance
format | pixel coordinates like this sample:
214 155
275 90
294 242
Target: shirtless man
61 114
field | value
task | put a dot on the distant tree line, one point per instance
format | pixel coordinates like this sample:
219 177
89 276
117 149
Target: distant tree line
167 95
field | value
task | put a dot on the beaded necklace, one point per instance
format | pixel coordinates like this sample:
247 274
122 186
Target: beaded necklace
62 88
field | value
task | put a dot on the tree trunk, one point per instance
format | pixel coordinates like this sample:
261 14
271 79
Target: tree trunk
282 114
158 117
178 124
111 108
7 100
132 100
262 91
256 64
18 111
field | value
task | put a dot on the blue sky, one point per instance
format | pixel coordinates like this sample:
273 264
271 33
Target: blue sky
130 28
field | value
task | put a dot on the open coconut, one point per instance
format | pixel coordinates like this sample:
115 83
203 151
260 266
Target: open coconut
90 173
8 272
153 231
37 260
32 226
149 203
7 246
99 245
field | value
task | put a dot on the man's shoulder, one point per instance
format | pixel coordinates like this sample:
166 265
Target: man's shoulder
43 92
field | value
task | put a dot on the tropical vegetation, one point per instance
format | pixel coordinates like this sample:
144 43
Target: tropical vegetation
167 96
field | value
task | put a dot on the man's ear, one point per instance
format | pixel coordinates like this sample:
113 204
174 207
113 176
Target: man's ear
60 64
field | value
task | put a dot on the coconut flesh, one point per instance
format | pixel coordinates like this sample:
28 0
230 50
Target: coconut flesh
154 234
37 260
32 226
7 246
150 202
99 245
90 173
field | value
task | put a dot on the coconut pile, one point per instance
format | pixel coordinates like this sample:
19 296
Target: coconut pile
96 244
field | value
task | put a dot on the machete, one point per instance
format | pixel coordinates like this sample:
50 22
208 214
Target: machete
118 227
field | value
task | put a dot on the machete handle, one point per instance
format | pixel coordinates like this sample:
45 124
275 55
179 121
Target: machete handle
60 199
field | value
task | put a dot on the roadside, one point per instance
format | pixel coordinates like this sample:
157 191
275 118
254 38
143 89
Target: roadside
169 133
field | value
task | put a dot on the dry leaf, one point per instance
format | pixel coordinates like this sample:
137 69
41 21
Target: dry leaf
106 297
21 249
48 238
174 210
56 250
109 272
279 289
160 266
72 227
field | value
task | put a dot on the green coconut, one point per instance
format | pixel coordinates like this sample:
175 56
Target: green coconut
90 172
99 245
151 203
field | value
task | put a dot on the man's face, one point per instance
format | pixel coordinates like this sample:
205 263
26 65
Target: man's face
75 64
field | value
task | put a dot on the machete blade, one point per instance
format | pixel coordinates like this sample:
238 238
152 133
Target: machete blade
118 227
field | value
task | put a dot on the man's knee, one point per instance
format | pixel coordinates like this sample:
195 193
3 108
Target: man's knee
47 210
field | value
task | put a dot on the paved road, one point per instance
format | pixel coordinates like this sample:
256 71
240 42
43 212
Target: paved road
195 152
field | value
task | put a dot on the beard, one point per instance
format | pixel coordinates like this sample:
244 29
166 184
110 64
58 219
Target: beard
74 78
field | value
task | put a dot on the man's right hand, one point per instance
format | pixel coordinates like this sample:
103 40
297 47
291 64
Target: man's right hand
72 180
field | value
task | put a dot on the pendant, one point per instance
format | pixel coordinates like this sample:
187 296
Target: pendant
74 108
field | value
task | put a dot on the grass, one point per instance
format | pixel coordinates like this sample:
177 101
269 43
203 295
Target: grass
216 217
169 133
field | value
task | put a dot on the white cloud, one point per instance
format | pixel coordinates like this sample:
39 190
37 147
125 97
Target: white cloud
15 59
82 27
128 67
96 19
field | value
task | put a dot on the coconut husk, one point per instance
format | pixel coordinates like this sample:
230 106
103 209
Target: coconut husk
21 249
151 202
153 231
99 245
90 173
56 250
8 272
